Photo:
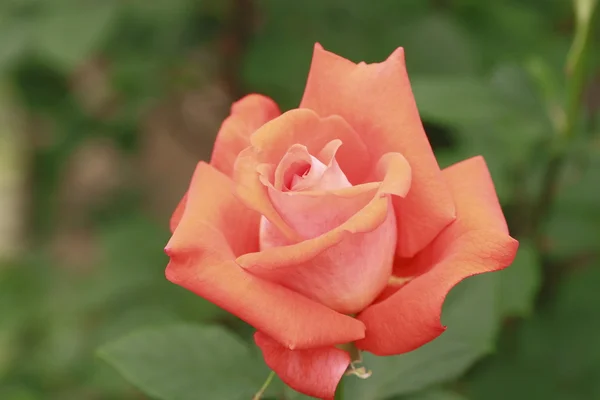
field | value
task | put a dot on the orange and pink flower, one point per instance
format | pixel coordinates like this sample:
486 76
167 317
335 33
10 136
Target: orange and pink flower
333 223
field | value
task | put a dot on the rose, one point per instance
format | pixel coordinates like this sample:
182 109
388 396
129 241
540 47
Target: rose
333 224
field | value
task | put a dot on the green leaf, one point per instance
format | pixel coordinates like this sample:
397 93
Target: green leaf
8 338
471 314
466 101
14 36
437 44
434 394
69 31
457 100
501 118
187 362
554 356
519 283
574 225
357 30
19 393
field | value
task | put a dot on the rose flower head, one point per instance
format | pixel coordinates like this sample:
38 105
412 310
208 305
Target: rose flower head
332 224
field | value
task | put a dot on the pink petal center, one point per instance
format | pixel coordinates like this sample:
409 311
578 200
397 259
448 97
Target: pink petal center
298 170
298 174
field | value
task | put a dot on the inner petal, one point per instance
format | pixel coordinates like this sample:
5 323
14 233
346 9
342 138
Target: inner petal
303 193
328 174
299 170
296 162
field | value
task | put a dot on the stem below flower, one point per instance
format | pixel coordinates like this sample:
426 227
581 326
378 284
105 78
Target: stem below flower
264 387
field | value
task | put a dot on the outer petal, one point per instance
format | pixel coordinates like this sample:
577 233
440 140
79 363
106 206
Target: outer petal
178 213
247 115
254 193
214 229
315 372
347 266
378 103
476 242
344 270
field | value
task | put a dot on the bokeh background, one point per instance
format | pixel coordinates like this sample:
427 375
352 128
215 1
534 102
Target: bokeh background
106 106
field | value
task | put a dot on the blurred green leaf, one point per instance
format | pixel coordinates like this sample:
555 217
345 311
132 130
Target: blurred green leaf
457 100
501 118
437 44
134 269
69 31
14 37
471 314
520 282
61 347
160 12
186 362
278 57
25 284
556 355
7 349
574 225
511 30
434 394
19 393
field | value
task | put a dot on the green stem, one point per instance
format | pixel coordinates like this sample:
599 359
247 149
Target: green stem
575 77
339 393
577 62
264 387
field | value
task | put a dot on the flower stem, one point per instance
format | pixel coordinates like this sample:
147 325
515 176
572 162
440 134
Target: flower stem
577 62
264 387
566 131
575 84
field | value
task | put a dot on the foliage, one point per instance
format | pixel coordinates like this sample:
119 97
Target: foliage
180 349
488 78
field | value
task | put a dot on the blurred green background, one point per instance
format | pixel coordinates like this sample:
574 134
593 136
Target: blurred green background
106 106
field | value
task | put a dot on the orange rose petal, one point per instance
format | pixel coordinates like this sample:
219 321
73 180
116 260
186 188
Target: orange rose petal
247 115
301 126
176 217
315 372
395 174
476 242
332 268
211 206
214 229
251 190
410 317
311 214
346 202
377 101
474 193
373 215
327 153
